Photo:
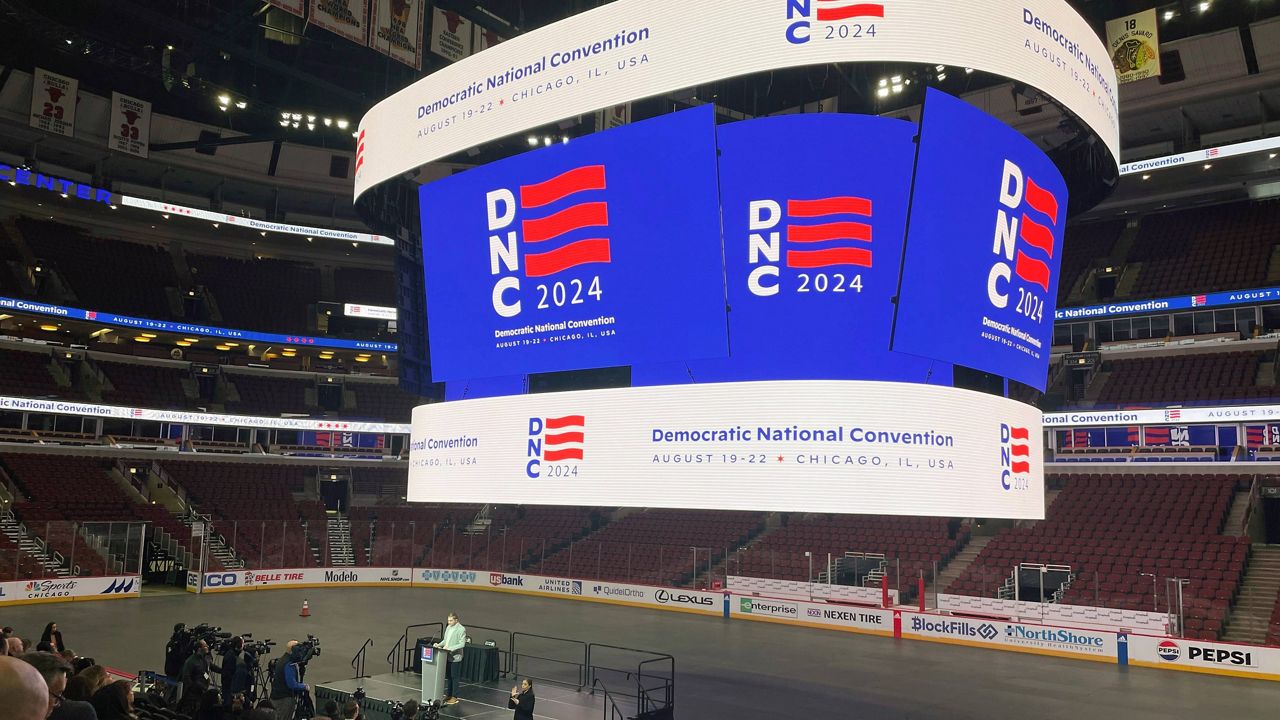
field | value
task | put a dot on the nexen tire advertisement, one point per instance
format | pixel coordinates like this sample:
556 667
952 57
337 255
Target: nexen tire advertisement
796 446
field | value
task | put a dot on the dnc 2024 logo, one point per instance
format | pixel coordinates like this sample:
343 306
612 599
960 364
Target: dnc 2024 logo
837 20
1027 233
558 443
552 236
1015 457
827 240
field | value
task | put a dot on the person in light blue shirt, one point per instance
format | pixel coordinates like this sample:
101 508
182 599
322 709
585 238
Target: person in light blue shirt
455 639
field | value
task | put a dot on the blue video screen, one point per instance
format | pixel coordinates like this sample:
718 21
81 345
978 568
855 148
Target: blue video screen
984 246
602 251
814 210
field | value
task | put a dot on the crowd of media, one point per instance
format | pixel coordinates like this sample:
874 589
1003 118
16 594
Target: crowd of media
208 674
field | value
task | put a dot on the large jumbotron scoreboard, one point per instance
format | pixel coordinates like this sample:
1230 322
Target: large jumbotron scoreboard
794 295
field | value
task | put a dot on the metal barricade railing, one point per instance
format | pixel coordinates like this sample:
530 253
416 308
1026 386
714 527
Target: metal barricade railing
357 662
579 665
403 651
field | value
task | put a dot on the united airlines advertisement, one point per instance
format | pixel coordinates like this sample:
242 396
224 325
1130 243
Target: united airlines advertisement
797 446
984 245
602 251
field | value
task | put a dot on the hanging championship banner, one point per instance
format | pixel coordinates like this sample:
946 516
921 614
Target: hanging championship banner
296 7
450 34
1134 44
53 102
397 30
129 128
483 39
342 17
612 117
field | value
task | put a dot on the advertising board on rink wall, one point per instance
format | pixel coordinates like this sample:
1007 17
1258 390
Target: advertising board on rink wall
874 621
237 580
108 587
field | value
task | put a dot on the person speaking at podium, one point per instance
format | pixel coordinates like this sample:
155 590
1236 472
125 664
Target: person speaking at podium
522 700
454 641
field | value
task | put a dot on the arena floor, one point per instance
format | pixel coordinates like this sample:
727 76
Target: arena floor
723 669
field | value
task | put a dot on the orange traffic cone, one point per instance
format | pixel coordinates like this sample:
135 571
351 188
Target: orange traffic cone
306 610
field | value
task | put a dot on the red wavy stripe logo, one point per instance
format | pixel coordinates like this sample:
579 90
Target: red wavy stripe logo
593 214
829 231
844 205
562 454
851 11
1042 201
359 151
1032 270
572 255
1017 450
1036 235
587 177
565 437
827 258
1020 467
1018 433
566 421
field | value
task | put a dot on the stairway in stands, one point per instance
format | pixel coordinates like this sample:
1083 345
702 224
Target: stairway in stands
957 565
340 552
1252 612
27 543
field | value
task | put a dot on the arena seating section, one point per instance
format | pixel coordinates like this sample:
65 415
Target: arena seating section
63 490
364 286
253 506
1116 526
654 546
1205 377
93 268
1083 246
282 291
1221 247
269 395
387 402
916 543
410 535
151 386
27 374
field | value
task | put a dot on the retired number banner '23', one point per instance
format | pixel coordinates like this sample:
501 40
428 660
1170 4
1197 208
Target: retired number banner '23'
603 251
792 446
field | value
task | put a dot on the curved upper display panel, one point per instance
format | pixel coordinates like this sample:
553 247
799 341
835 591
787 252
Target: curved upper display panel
631 49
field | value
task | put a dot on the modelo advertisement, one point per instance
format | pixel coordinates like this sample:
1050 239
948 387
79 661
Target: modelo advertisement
812 252
109 587
237 580
984 246
856 619
602 251
790 446
1020 637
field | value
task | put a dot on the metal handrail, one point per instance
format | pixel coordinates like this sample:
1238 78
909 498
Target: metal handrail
582 666
503 655
402 646
357 662
611 711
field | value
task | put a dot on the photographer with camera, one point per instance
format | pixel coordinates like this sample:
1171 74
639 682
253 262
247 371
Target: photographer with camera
195 676
237 676
286 682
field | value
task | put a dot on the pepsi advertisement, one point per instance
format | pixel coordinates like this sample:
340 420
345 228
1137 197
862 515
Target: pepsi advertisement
814 211
984 246
601 251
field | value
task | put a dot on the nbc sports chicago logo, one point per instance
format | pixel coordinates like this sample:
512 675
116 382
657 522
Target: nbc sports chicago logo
838 20
555 446
563 224
827 241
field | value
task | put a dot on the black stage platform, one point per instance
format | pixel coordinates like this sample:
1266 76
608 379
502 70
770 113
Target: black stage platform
478 700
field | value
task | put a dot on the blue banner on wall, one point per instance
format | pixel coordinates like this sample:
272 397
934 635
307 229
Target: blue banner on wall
984 246
813 245
182 328
604 251
1158 305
